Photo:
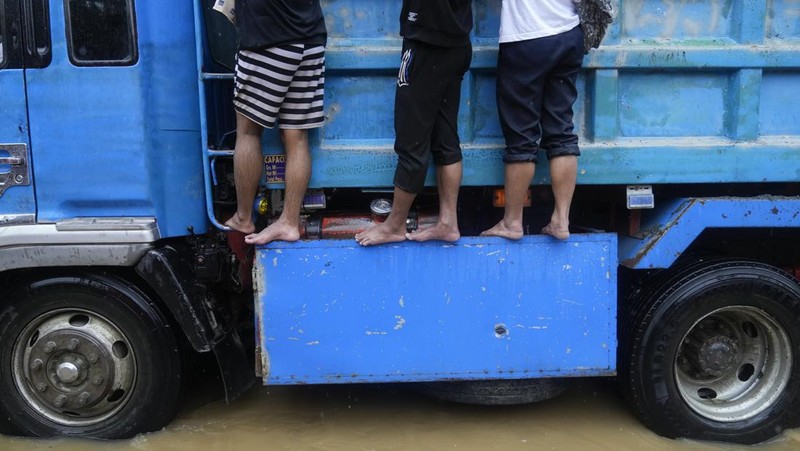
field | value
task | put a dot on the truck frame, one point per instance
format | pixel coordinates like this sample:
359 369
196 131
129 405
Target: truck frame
680 278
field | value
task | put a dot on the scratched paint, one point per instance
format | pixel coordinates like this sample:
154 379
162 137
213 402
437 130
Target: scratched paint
676 19
668 72
508 307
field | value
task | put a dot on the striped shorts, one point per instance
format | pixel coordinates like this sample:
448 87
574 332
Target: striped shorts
283 84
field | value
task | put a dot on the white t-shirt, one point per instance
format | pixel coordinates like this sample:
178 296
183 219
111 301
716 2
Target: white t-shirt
521 20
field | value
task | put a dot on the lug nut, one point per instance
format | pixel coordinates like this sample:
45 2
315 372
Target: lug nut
98 380
92 358
73 344
60 401
83 398
41 387
49 347
37 365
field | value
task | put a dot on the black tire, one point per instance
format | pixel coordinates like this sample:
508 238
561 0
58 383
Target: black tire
495 392
711 351
85 355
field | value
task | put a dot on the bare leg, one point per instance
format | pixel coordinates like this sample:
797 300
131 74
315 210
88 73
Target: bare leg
446 227
564 172
298 173
393 229
518 180
247 172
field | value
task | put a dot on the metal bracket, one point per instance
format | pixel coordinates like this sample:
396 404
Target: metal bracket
18 161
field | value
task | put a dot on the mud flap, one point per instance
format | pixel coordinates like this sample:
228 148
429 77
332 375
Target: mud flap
170 274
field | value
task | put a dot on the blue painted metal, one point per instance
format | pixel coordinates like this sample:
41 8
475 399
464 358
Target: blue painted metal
484 308
15 199
702 86
121 141
706 87
669 230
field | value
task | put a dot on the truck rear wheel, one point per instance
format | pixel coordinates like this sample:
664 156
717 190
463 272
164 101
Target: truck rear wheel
85 355
713 353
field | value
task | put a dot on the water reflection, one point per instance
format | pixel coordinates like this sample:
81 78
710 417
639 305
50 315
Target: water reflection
589 416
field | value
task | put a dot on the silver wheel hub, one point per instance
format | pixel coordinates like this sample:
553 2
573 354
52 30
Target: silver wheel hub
74 367
733 364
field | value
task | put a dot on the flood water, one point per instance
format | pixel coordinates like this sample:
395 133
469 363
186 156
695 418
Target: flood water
589 416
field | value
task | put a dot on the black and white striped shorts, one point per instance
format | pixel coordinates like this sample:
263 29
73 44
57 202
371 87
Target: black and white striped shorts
283 84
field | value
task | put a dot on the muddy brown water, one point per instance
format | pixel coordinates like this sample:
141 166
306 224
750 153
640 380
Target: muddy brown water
589 416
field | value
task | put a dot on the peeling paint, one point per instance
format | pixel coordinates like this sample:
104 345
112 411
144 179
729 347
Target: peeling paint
400 322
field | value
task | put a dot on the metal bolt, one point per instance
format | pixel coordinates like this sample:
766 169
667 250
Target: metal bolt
60 401
92 358
98 380
19 178
37 365
49 347
83 398
41 387
73 344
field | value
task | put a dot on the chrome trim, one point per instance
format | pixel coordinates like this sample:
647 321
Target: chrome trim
99 224
18 160
10 220
77 242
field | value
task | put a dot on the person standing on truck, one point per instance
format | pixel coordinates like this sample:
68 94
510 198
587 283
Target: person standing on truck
436 54
541 52
280 79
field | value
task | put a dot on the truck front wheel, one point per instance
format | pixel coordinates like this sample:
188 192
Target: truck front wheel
85 355
714 353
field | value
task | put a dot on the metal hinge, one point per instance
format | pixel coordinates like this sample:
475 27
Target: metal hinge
17 159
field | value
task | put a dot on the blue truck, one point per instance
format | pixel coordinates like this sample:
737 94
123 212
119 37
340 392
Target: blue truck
680 279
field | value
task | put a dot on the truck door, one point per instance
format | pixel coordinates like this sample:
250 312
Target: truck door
18 50
85 109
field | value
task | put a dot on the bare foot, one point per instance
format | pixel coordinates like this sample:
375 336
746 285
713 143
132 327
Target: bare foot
504 231
380 234
437 232
241 225
557 232
277 231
